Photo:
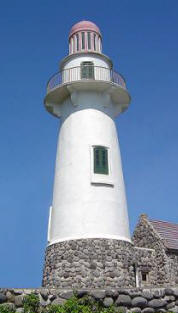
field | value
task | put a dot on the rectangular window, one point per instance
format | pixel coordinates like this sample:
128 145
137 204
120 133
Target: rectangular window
144 277
101 160
83 40
77 42
89 40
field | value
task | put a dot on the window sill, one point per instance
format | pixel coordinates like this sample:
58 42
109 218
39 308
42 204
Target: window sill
101 179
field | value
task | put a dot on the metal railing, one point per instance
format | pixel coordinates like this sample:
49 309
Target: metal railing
85 72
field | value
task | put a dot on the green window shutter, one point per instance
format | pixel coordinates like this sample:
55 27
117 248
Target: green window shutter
101 160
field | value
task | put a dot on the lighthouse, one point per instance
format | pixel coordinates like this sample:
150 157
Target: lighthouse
88 229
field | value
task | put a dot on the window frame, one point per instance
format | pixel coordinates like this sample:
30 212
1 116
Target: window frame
101 179
87 70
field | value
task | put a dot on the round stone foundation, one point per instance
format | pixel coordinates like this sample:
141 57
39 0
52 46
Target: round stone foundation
89 263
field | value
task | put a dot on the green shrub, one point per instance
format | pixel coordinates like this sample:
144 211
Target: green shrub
4 308
86 304
31 303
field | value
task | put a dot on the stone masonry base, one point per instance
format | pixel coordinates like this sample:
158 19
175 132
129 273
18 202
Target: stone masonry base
89 263
134 300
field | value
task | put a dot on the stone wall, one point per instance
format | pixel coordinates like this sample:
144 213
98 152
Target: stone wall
125 300
89 263
146 237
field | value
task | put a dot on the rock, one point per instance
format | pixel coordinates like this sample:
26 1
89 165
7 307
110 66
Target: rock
20 310
176 302
147 294
159 293
18 291
121 309
169 298
161 311
175 309
19 300
108 301
10 296
3 298
156 303
44 293
52 297
170 305
28 291
98 294
135 310
135 293
42 301
112 293
168 291
59 301
175 292
123 291
124 300
139 302
148 310
66 294
81 293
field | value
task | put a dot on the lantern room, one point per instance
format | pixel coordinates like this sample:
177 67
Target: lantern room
85 36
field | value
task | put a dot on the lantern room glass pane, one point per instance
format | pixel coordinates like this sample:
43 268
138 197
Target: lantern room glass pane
77 42
83 40
89 40
101 160
94 42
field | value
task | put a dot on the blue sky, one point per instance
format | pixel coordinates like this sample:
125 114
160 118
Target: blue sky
141 39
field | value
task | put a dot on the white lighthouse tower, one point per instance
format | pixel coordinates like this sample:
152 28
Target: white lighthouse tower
89 202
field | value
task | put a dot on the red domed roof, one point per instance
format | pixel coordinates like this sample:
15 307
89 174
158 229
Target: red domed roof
83 26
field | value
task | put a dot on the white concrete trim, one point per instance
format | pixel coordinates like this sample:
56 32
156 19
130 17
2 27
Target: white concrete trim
94 236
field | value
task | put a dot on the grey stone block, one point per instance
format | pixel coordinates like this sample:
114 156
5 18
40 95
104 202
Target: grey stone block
148 310
175 309
121 309
66 294
59 301
123 300
170 305
147 294
19 310
135 310
169 292
139 302
98 294
3 298
19 300
108 301
44 293
157 303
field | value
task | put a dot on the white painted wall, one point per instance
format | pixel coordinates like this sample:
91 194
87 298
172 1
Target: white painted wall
86 205
97 59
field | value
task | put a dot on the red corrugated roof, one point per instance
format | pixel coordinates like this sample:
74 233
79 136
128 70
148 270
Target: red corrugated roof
167 231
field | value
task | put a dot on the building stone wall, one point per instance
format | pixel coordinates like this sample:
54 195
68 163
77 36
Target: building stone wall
146 237
173 265
89 263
